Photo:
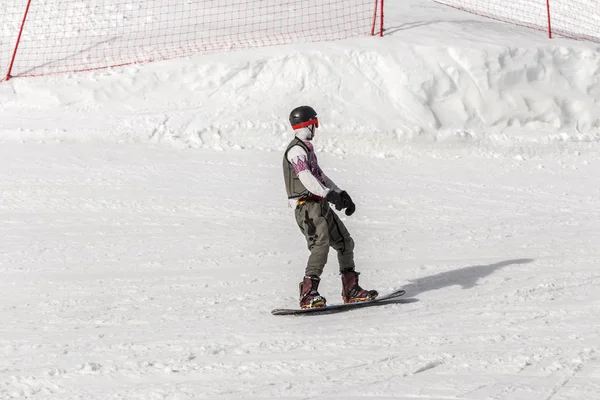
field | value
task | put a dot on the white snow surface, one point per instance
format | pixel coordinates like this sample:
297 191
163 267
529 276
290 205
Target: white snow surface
145 238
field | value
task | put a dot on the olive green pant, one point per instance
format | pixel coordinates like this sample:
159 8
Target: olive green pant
322 229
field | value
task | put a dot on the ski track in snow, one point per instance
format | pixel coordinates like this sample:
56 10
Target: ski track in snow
124 278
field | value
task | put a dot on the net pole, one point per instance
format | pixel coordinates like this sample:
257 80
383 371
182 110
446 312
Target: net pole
549 23
374 18
381 22
14 55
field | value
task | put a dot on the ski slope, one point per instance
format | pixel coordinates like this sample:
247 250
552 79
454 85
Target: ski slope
145 235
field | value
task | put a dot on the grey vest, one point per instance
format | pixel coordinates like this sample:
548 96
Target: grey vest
295 189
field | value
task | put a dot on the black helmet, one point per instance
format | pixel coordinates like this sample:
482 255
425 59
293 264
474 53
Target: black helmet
303 116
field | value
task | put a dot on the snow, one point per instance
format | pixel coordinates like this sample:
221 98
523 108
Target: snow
145 237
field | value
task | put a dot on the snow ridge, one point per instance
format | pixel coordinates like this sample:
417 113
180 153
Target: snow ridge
384 99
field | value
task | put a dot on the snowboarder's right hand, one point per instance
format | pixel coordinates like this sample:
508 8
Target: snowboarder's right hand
336 199
351 207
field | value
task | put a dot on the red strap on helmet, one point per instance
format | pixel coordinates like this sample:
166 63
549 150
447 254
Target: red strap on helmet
314 122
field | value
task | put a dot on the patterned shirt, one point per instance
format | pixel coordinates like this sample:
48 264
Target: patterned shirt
309 172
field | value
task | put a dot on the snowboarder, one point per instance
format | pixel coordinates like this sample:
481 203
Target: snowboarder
310 191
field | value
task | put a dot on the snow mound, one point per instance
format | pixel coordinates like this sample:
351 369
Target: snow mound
374 97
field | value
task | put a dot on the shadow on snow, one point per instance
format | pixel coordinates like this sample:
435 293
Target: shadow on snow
467 277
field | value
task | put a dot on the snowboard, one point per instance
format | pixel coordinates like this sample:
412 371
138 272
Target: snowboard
342 307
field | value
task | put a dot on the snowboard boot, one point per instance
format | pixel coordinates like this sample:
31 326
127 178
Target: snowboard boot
352 292
309 295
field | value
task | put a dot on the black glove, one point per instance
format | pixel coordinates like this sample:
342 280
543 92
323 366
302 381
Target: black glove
351 207
336 199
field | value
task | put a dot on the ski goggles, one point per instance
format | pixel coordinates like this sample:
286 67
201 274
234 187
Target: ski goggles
314 121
